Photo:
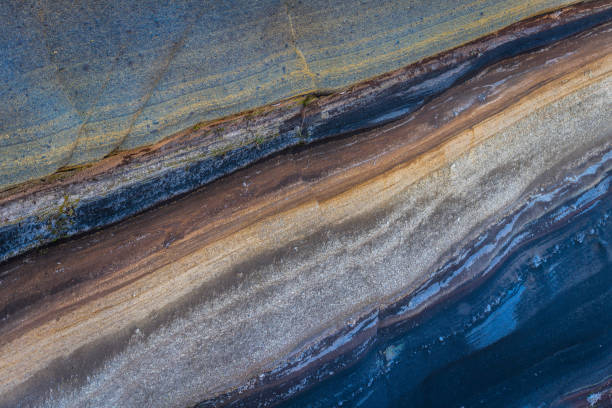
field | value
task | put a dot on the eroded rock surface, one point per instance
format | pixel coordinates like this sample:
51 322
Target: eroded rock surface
238 286
80 81
71 202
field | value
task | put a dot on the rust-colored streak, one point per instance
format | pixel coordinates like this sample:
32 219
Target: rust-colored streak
191 137
46 284
58 299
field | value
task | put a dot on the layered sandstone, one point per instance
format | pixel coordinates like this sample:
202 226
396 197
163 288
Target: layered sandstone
227 290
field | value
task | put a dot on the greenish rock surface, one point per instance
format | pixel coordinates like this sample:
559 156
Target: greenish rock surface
81 80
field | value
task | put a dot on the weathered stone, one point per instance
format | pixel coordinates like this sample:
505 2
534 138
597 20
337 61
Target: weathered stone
203 297
81 81
126 183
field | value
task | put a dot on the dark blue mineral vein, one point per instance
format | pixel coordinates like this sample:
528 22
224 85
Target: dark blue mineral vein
534 322
538 328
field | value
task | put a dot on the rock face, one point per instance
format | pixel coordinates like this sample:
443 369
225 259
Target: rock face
532 329
234 293
81 81
126 183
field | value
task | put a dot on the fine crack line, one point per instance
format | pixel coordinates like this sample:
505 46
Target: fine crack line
300 54
63 87
89 114
86 115
157 79
92 109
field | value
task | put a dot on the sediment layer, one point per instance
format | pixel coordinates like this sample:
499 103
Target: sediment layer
124 184
196 299
531 328
83 81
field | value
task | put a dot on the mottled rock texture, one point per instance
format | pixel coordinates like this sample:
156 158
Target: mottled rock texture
82 80
78 200
220 291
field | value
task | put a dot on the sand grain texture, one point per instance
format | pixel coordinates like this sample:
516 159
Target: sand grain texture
199 296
